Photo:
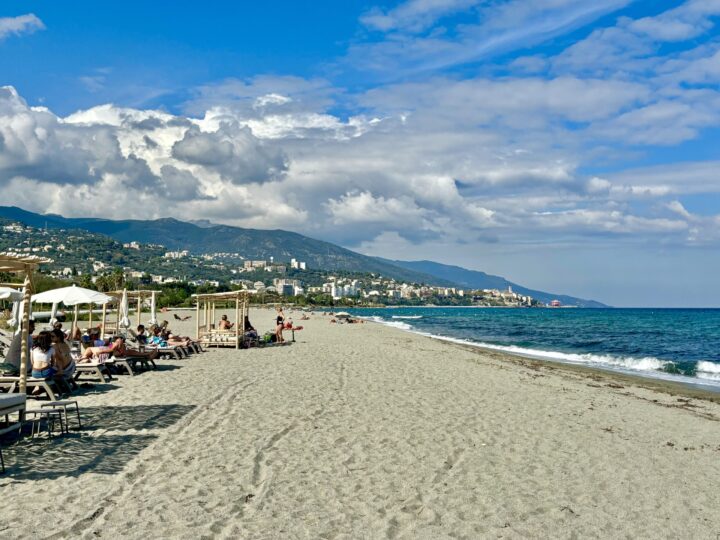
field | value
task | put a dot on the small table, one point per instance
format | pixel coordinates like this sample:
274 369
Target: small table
64 404
50 415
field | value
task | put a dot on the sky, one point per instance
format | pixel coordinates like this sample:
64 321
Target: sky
570 146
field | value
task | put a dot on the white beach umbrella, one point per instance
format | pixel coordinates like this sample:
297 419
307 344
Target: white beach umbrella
15 320
124 321
71 296
21 314
8 293
53 313
153 317
15 296
342 315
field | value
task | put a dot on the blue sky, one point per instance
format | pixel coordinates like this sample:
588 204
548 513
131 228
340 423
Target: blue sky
568 145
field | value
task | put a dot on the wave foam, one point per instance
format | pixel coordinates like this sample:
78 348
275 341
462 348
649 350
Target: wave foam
407 316
708 370
394 324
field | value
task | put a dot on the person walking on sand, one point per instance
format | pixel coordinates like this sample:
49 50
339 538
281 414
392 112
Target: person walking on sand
279 323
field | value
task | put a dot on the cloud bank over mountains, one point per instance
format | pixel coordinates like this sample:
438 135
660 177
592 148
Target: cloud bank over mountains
561 147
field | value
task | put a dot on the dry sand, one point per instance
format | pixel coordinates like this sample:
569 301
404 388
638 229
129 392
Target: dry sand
364 431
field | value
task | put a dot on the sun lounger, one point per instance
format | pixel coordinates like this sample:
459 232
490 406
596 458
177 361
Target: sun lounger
9 404
95 370
144 361
126 363
175 352
12 384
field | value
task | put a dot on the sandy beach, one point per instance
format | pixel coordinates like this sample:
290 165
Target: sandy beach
365 431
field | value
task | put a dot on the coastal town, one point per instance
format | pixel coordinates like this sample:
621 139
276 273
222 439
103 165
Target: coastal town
99 261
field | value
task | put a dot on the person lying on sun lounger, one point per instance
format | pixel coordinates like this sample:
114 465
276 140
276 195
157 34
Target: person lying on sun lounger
117 348
178 318
174 340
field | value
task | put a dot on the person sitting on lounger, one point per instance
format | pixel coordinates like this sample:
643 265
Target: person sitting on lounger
249 327
92 339
225 324
42 357
156 338
141 336
62 359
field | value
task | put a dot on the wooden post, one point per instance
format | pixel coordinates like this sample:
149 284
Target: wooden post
102 326
197 319
90 306
24 349
237 322
75 318
139 310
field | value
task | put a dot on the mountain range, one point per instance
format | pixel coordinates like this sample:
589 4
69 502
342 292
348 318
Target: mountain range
205 237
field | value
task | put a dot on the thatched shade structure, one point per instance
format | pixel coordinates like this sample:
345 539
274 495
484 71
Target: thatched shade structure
207 304
24 265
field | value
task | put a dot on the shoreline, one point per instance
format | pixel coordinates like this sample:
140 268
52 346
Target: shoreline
662 379
672 388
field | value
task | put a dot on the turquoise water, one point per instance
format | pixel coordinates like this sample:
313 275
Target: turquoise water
681 344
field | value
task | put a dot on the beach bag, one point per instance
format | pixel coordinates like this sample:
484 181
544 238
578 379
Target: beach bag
9 370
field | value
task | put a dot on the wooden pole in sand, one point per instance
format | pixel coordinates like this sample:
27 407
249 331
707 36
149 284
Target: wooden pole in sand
197 319
90 306
76 314
139 310
24 349
102 326
237 322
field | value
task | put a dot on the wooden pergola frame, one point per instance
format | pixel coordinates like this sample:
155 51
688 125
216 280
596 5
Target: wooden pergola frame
207 304
24 265
139 296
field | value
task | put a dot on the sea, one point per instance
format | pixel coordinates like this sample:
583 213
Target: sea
672 344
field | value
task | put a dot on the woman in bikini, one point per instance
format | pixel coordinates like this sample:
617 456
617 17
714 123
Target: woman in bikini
279 324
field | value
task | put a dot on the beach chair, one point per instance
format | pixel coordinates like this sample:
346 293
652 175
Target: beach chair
9 404
95 370
125 363
12 385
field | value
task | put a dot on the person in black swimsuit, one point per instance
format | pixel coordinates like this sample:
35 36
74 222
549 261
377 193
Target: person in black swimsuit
279 323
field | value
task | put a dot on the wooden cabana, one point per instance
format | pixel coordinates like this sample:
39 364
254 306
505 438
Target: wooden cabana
23 265
134 297
207 332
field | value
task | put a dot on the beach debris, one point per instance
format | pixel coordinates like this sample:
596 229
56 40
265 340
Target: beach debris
669 443
609 429
615 385
568 509
249 497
